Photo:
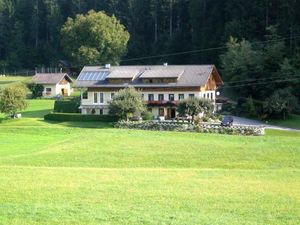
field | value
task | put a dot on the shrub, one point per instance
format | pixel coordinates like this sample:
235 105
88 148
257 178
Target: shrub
147 116
79 117
13 99
36 90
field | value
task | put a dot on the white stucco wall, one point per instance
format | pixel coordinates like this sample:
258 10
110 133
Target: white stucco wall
56 89
61 86
53 90
107 97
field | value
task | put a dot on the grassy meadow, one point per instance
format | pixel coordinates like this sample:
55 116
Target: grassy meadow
9 80
91 173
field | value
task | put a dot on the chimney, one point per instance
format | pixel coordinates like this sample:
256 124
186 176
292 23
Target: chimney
107 66
165 64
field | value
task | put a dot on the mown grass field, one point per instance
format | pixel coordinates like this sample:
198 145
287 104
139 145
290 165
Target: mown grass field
91 173
9 80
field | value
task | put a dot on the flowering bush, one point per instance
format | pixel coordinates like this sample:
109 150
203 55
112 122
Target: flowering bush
151 125
187 127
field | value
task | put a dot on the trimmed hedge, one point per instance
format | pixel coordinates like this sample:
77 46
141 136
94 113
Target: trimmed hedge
201 128
62 117
66 106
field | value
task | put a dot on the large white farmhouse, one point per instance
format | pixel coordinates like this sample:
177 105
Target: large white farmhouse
161 86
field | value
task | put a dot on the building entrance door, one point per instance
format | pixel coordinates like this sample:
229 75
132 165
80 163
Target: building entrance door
171 113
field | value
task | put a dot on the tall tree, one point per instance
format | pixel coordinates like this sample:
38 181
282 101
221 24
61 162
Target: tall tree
94 39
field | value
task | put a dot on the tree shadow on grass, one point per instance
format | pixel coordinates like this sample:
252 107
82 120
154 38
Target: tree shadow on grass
78 124
36 113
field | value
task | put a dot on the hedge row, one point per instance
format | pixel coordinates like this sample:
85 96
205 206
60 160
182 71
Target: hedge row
69 106
202 128
79 117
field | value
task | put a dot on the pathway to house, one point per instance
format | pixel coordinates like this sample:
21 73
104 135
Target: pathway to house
244 121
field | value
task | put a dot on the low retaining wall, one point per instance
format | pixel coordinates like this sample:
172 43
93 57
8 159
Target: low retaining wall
234 130
187 127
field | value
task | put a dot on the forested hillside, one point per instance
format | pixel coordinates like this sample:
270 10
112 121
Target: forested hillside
30 29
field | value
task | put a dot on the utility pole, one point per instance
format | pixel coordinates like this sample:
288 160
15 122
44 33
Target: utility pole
155 21
171 19
267 13
37 24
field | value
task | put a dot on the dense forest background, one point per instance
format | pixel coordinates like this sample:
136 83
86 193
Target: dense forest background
30 29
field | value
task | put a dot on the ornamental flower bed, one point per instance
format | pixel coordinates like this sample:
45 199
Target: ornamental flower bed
187 127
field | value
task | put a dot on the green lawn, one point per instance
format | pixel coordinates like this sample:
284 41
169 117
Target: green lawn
91 173
293 122
9 80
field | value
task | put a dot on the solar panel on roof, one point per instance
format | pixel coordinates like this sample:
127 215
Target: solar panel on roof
92 76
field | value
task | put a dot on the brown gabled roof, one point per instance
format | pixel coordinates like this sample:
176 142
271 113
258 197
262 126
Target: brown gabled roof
188 75
50 78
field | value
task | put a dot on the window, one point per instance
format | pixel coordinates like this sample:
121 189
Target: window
171 97
101 111
211 96
93 111
143 96
112 95
191 95
161 112
204 95
150 81
95 97
160 97
85 95
150 97
48 89
181 96
101 98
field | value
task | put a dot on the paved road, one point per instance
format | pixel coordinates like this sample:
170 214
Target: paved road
244 121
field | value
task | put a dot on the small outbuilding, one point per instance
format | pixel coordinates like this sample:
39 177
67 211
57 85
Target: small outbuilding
54 83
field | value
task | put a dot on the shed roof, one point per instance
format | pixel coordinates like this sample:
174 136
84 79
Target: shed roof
50 78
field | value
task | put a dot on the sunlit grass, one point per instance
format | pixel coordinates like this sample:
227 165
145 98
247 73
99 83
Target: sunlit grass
91 173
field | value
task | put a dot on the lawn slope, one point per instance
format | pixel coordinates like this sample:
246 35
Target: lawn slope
91 173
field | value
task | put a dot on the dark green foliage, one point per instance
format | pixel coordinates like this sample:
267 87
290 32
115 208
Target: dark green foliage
36 90
67 106
281 104
250 107
194 106
29 30
61 117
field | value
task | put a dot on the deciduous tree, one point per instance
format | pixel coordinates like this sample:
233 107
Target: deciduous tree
13 99
127 102
95 38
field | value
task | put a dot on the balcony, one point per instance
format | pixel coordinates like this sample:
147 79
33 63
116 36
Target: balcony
161 103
